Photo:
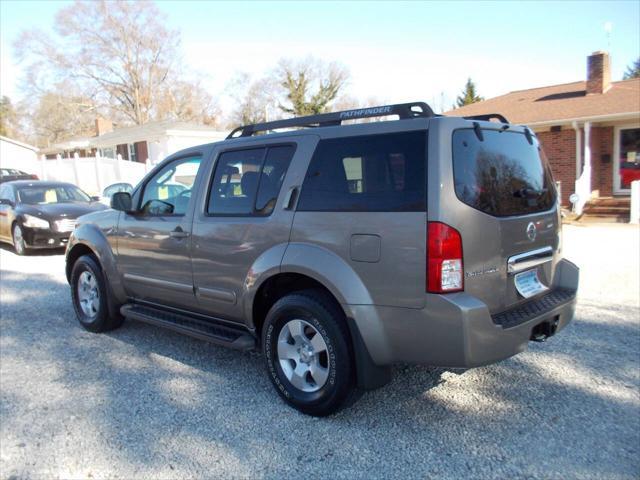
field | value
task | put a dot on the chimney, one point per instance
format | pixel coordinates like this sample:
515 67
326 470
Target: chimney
103 126
598 73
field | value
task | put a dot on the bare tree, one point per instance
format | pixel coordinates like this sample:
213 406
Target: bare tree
121 54
57 116
255 100
188 101
309 86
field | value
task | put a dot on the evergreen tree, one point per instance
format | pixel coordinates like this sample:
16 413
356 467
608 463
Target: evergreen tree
309 86
468 95
633 71
8 118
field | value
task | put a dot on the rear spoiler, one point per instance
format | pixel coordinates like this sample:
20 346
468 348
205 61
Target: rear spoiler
487 117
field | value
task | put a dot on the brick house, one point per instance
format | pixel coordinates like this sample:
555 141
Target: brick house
589 130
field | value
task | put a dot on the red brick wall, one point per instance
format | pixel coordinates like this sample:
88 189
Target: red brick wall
560 148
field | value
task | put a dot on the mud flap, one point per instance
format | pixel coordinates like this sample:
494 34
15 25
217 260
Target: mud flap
369 375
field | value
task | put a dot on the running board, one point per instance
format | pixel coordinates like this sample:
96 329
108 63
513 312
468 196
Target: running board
194 327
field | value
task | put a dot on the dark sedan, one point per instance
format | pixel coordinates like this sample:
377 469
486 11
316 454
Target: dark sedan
39 214
10 174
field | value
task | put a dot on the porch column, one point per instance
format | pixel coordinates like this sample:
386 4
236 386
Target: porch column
576 127
583 182
587 159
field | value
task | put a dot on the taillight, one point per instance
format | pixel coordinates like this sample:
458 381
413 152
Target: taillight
445 271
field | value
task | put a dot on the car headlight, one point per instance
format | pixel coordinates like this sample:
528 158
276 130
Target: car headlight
35 222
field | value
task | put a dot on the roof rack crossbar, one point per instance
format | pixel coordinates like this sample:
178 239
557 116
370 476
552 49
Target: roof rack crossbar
487 117
403 110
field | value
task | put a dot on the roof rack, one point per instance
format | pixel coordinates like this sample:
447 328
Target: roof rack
403 110
488 116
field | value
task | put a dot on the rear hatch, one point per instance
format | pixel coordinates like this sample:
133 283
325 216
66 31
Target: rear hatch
503 203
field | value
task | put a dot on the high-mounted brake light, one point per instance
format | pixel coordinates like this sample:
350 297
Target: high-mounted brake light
445 273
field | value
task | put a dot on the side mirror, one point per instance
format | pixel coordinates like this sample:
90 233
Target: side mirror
121 201
6 201
95 198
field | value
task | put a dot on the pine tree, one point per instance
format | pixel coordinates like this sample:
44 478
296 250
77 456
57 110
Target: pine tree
633 70
468 95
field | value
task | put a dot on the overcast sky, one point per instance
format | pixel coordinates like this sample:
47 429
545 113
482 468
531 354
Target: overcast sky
394 51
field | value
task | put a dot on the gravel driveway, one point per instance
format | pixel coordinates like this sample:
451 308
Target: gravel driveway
141 402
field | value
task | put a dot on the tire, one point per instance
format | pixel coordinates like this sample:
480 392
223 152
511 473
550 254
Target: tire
90 296
17 237
320 380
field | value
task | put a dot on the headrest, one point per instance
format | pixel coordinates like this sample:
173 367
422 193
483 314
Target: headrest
249 183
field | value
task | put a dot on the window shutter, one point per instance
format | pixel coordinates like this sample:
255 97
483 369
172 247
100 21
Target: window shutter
142 154
123 151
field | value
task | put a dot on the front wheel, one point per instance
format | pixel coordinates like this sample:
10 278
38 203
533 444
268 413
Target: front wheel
19 244
307 349
90 296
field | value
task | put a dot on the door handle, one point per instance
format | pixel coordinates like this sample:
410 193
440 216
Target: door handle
178 233
290 199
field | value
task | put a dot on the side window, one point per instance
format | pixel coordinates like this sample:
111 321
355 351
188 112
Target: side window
275 168
168 192
247 182
373 173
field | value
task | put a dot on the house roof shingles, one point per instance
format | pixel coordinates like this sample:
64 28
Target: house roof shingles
559 103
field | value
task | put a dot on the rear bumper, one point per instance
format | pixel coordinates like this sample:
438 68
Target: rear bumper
457 330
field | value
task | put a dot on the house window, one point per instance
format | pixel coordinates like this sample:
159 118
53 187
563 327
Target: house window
132 153
107 152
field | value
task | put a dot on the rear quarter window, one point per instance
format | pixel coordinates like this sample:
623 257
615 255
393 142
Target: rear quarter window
501 175
372 173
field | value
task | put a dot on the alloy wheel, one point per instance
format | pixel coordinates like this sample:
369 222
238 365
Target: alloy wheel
88 294
18 240
303 355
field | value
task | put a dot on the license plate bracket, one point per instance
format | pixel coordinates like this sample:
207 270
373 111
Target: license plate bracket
528 284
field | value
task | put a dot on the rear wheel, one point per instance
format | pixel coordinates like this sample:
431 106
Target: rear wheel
307 349
18 240
90 296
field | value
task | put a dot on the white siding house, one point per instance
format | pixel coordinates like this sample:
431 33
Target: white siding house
152 141
14 154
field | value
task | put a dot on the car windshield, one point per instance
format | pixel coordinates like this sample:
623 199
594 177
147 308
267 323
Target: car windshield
36 195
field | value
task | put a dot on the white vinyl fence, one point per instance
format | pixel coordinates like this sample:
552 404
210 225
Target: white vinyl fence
91 174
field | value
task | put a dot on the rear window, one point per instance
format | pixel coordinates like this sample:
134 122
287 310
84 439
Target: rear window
503 174
373 173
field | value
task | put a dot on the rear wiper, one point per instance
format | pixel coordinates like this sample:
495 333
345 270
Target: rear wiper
529 193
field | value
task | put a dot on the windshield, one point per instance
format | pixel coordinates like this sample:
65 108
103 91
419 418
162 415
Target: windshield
501 175
37 195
